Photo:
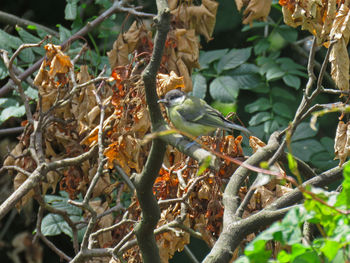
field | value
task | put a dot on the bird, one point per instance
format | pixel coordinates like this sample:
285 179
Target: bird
194 116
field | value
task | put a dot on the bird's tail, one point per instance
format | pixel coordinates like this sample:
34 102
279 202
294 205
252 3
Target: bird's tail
237 127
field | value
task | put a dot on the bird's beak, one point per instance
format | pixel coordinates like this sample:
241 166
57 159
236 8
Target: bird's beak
162 101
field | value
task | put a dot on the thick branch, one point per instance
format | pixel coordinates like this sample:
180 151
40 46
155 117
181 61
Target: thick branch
144 181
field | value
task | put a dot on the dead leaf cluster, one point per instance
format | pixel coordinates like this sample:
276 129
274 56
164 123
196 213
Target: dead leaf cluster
328 21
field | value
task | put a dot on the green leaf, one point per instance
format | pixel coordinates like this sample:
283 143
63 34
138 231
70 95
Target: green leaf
328 144
330 249
308 257
288 33
224 89
259 118
323 160
12 111
282 110
304 149
303 131
53 225
283 257
64 33
292 81
261 46
7 102
282 93
343 199
71 10
259 253
246 75
274 73
233 59
205 58
3 70
288 64
260 104
8 41
30 38
199 86
27 55
31 93
61 203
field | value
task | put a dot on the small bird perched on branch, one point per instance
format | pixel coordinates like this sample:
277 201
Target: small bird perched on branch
194 116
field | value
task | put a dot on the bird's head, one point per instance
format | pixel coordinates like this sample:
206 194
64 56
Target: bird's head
173 98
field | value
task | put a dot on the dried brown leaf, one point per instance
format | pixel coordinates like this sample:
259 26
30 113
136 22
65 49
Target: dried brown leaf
169 82
256 10
340 142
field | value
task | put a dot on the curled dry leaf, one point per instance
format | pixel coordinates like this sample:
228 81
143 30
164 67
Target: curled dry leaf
169 82
127 43
339 56
200 18
342 142
255 10
326 20
173 240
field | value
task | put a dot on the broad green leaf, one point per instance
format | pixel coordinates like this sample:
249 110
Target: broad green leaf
308 257
282 110
61 203
233 59
8 41
260 104
288 33
53 225
283 257
224 89
207 57
343 199
303 131
70 12
29 38
259 253
328 144
282 93
304 149
246 75
64 33
12 111
7 102
261 46
27 55
330 249
3 70
199 86
274 73
31 93
259 118
323 160
288 64
292 81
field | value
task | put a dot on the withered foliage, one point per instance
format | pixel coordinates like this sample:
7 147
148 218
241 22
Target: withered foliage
74 126
328 21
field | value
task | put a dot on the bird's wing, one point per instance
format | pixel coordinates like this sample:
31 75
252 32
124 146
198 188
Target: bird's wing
201 114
